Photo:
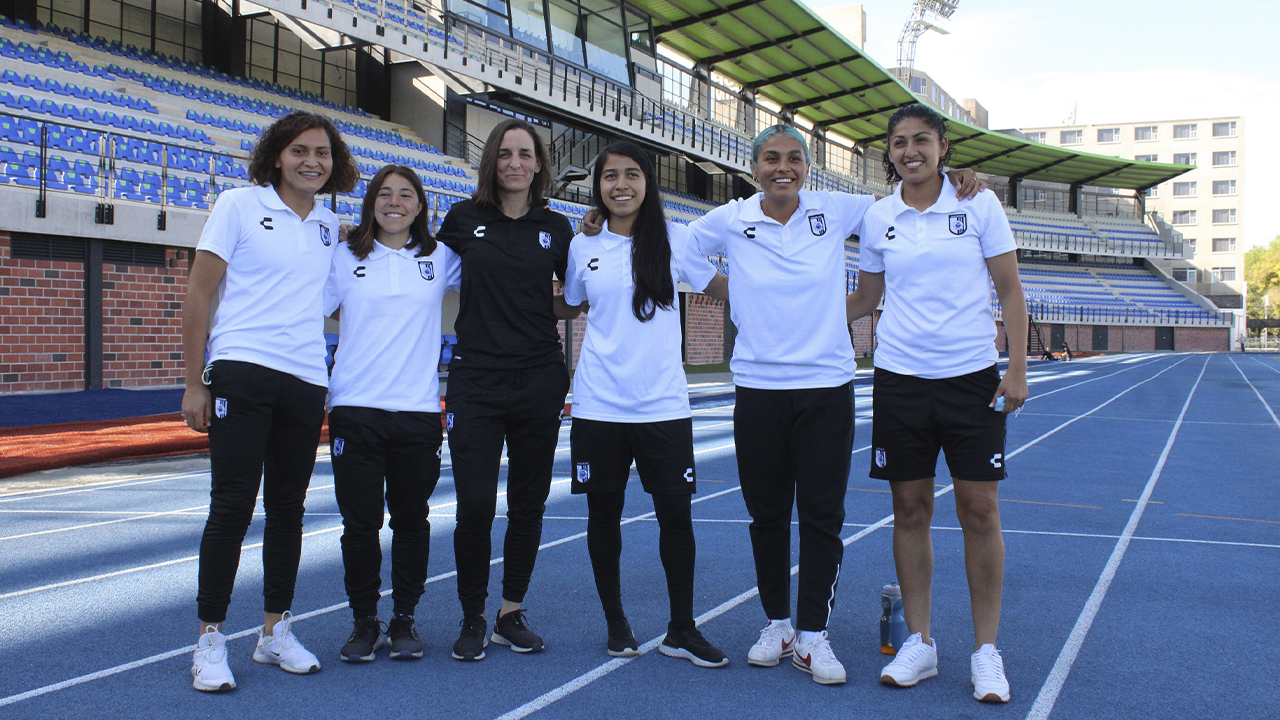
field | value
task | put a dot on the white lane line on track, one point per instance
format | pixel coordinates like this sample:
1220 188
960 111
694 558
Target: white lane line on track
95 487
1261 399
159 657
1053 684
1037 396
550 697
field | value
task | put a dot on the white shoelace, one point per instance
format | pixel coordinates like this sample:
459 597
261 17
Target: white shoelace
774 632
215 652
284 636
821 653
911 653
990 665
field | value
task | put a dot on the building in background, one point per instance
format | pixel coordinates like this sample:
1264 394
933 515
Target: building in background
1205 205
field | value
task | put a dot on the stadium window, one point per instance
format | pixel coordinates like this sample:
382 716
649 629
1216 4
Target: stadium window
1036 137
1221 245
1224 187
1109 135
639 31
917 84
1071 137
1224 217
1191 247
605 41
529 23
1224 274
1184 189
1144 133
933 92
491 15
1184 275
1184 132
1184 217
1146 158
1184 158
1151 192
1225 158
565 42
1224 129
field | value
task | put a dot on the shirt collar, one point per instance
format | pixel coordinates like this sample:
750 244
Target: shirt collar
379 250
945 203
753 212
610 239
268 196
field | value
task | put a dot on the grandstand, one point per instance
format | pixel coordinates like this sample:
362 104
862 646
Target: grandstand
113 147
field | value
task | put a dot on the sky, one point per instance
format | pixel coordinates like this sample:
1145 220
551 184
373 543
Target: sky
1029 62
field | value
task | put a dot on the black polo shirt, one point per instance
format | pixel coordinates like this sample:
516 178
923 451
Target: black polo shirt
505 317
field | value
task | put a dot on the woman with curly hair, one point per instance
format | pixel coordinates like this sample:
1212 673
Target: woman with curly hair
256 376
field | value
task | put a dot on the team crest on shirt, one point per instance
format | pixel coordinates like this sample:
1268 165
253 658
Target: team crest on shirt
818 224
338 446
881 460
427 270
220 407
584 471
957 223
325 237
544 239
448 421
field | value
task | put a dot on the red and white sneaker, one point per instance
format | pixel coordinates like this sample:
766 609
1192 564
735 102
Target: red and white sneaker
776 642
816 658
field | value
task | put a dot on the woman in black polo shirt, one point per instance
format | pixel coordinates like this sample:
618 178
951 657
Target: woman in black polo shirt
508 378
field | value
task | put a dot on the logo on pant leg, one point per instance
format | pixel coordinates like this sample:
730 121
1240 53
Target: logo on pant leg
220 407
584 471
688 475
338 446
995 460
448 421
881 460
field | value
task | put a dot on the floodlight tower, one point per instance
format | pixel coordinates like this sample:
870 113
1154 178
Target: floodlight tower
922 11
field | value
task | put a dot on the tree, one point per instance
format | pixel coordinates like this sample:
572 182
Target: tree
1262 272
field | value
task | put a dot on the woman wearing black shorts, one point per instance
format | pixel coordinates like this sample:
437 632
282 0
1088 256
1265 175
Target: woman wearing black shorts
934 259
630 395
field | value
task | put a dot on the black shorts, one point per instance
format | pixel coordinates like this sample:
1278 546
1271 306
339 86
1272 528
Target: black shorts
913 418
602 453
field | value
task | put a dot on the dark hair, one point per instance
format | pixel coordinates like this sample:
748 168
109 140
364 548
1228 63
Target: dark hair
931 118
360 242
486 194
281 133
650 244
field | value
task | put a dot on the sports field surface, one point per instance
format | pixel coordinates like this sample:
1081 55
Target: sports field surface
1141 518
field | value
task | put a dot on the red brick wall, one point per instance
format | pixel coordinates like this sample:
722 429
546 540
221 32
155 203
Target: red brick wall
142 322
703 330
41 323
1202 338
864 337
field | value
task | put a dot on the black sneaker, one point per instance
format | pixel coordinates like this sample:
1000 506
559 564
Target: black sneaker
405 643
622 642
510 629
472 640
690 645
365 639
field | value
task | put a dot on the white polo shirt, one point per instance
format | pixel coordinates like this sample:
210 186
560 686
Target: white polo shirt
937 320
629 371
269 299
787 288
389 342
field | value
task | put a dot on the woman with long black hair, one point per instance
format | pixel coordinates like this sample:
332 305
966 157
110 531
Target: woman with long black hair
508 380
630 395
388 284
265 251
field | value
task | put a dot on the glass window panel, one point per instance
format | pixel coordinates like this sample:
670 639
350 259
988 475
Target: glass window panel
106 12
75 22
1224 129
263 32
136 20
310 69
194 39
70 7
106 32
289 42
529 22
287 64
639 31
565 42
169 30
168 48
257 72
144 4
481 15
1184 132
136 39
172 8
606 47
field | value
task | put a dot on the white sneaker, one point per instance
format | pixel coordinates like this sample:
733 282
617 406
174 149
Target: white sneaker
986 669
209 668
283 648
817 659
914 662
776 641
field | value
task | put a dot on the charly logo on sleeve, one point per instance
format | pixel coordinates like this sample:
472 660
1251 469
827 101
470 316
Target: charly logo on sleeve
544 239
957 223
426 270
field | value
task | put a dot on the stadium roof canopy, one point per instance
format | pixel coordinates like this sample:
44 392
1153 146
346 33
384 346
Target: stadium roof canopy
783 52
